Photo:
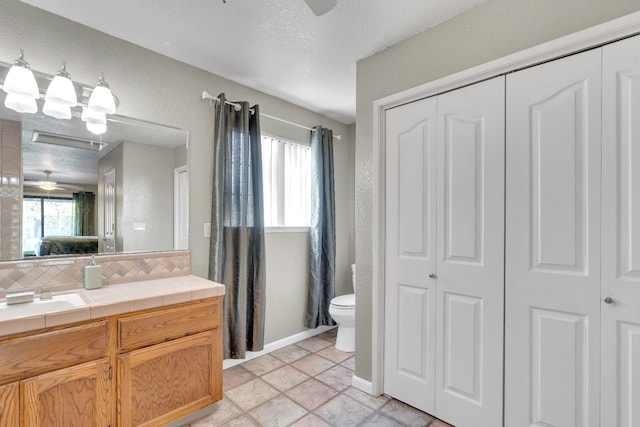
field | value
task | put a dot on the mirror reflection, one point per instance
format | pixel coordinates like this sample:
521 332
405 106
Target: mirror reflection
66 191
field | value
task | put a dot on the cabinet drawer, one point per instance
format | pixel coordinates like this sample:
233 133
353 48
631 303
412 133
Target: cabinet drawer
36 354
158 326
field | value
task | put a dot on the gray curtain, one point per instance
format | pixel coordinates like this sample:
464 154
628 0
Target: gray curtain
84 214
237 226
322 262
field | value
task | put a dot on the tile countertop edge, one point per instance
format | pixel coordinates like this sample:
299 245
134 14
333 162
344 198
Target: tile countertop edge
118 299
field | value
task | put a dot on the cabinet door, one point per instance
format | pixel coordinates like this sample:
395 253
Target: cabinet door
552 359
76 396
410 257
470 268
9 405
621 234
164 382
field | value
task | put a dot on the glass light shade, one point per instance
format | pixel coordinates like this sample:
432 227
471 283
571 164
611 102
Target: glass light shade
91 116
61 91
21 103
57 110
20 80
47 185
101 100
96 128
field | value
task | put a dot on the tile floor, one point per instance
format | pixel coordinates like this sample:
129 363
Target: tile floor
306 384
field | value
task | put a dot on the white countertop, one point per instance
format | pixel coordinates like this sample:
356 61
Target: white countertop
111 300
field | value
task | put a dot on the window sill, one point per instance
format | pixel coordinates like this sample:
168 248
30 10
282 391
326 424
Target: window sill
286 229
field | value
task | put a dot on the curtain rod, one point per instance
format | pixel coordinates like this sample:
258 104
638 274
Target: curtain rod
208 97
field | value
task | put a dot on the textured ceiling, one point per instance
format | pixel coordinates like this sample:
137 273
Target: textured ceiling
276 46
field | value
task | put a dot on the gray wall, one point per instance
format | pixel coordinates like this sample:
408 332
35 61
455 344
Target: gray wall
158 89
148 197
488 31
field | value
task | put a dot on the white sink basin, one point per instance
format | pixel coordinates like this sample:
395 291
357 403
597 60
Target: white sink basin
56 303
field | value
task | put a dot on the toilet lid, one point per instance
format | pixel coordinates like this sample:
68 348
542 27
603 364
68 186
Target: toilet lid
344 301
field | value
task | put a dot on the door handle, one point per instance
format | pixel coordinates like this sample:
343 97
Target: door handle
608 300
433 276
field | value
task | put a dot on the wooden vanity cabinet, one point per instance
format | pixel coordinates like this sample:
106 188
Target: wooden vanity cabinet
77 396
143 368
163 381
10 405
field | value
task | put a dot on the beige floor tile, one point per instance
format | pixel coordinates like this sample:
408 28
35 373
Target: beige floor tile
311 394
312 364
369 400
285 378
290 353
379 420
343 411
330 335
235 376
242 421
278 412
313 344
334 354
263 364
337 377
406 414
224 411
350 363
251 394
310 420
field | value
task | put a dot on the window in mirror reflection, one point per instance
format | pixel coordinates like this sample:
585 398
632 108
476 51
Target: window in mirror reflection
66 219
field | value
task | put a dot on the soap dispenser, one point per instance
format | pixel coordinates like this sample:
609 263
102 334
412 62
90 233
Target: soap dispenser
92 275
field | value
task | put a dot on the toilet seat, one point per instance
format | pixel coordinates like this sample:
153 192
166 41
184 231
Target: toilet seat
344 301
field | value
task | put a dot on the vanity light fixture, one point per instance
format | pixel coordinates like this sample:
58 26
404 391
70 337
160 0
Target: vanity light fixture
101 103
96 121
101 99
21 87
61 96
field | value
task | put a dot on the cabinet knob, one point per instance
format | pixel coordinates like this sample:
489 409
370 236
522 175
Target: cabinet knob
433 276
608 300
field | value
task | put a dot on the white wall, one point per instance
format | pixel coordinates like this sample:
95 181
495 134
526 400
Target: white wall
158 89
489 31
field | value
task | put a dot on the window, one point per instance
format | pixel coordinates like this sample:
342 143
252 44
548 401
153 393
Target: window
286 177
45 217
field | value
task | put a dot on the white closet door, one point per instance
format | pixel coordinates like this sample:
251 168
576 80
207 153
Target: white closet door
410 253
469 325
553 244
621 234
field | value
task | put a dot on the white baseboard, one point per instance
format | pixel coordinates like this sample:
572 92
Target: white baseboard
361 384
273 346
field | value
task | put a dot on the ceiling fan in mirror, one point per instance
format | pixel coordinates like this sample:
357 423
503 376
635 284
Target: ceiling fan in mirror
48 185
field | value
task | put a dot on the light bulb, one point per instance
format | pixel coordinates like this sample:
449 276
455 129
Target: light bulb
96 128
56 110
21 103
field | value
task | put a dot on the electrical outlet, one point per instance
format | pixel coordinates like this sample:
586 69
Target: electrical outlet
139 226
207 230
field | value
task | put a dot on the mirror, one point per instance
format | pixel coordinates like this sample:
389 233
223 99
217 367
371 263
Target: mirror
128 185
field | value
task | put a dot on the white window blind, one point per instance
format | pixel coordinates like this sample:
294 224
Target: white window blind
287 183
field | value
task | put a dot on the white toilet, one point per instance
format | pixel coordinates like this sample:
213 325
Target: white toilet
343 311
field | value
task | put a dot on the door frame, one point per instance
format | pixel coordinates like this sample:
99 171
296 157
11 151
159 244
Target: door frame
176 205
589 38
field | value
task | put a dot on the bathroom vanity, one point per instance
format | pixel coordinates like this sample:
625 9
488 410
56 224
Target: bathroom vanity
148 353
